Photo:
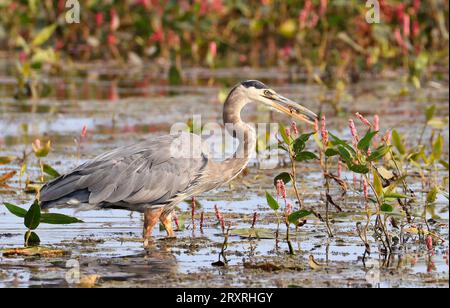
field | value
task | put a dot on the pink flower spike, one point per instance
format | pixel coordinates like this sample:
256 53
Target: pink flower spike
353 131
84 131
406 25
324 131
213 49
387 137
376 122
294 128
363 119
429 242
365 189
288 131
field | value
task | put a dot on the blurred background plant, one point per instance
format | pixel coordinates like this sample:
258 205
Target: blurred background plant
330 41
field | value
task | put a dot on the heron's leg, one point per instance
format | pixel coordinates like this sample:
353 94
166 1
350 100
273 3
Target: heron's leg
166 220
151 217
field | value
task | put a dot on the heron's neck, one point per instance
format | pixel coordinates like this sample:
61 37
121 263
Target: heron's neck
240 130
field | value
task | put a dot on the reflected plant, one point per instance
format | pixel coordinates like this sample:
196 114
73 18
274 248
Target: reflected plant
33 217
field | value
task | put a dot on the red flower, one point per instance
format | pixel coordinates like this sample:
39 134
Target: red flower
99 19
324 131
84 131
363 119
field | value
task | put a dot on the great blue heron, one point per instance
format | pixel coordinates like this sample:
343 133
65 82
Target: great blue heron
147 177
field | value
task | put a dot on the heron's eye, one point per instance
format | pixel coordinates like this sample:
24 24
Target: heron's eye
267 93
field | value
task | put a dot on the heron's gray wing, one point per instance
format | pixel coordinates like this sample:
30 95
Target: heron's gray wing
145 173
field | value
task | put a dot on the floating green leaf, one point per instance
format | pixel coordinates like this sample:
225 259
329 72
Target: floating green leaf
273 204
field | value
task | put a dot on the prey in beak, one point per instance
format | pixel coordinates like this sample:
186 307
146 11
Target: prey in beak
289 107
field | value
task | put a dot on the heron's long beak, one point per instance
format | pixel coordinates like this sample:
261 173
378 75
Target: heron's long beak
292 108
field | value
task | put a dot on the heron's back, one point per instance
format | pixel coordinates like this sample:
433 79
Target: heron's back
152 173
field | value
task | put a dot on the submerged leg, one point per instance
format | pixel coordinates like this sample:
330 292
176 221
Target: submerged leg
166 220
151 217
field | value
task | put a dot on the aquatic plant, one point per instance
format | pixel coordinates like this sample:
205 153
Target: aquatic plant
33 217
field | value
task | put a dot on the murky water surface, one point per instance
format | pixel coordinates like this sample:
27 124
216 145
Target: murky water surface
121 106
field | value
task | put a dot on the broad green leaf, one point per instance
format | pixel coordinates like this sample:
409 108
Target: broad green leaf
305 156
394 195
361 169
379 153
296 216
438 147
44 35
377 184
398 143
387 208
300 142
50 171
273 204
58 219
345 154
337 141
365 142
331 152
284 136
33 216
285 176
429 113
15 210
432 195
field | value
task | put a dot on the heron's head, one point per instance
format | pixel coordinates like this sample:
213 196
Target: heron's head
258 92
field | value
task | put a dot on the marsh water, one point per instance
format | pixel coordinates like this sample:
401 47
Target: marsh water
120 106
